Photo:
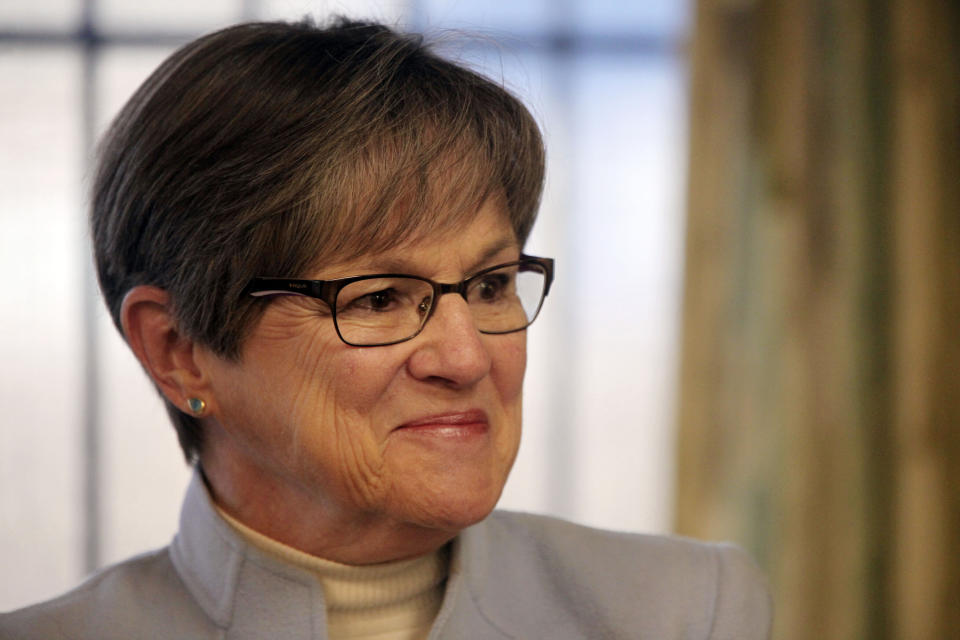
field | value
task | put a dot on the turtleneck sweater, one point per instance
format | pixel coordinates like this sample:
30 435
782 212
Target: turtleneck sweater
389 601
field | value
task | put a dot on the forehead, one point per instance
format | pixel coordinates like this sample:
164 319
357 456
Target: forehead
480 241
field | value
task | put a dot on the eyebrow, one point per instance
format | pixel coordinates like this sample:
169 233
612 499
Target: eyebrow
402 265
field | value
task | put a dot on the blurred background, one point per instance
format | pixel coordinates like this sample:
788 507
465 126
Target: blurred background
755 208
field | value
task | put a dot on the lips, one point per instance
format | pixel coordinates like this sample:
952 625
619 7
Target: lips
455 422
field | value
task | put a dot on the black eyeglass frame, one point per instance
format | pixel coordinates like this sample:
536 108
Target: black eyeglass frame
328 290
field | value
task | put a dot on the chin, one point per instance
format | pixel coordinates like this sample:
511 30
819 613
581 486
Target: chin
454 511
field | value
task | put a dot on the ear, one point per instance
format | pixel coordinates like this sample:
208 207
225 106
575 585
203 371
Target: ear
168 356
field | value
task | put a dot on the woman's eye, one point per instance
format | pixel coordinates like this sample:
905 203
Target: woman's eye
383 300
423 307
492 287
380 300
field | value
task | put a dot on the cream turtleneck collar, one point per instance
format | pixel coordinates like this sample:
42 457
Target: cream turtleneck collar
389 601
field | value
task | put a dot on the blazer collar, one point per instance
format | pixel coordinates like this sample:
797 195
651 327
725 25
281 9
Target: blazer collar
251 594
241 589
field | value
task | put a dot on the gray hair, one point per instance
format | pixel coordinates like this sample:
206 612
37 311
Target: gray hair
273 148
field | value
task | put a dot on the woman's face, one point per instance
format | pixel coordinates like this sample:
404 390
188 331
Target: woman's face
421 433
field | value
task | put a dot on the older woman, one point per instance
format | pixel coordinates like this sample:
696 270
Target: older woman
311 238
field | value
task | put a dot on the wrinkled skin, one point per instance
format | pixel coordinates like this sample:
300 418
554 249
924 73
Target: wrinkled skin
303 442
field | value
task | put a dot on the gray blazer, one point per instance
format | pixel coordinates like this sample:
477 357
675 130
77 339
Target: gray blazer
511 576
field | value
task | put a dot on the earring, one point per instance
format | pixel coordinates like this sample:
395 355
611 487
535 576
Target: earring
196 405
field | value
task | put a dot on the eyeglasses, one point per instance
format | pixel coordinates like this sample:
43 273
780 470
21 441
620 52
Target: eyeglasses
382 309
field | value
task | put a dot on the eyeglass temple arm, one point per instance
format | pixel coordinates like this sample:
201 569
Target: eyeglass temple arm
260 287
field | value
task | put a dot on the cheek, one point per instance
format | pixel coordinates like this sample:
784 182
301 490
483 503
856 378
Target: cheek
509 366
338 415
361 380
330 435
320 378
283 393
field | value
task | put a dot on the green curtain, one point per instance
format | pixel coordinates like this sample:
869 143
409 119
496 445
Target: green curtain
819 418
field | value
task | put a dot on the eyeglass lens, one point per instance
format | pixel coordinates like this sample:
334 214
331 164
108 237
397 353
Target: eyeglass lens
390 309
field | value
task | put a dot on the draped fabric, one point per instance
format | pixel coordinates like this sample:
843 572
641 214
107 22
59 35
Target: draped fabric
820 380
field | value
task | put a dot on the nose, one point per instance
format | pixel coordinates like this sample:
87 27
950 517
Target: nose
450 349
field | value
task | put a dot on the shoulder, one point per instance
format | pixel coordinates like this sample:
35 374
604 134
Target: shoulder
669 558
663 585
121 601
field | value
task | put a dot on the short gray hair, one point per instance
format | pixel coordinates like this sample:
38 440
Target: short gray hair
271 148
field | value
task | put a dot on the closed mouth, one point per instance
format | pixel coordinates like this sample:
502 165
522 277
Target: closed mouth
470 418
